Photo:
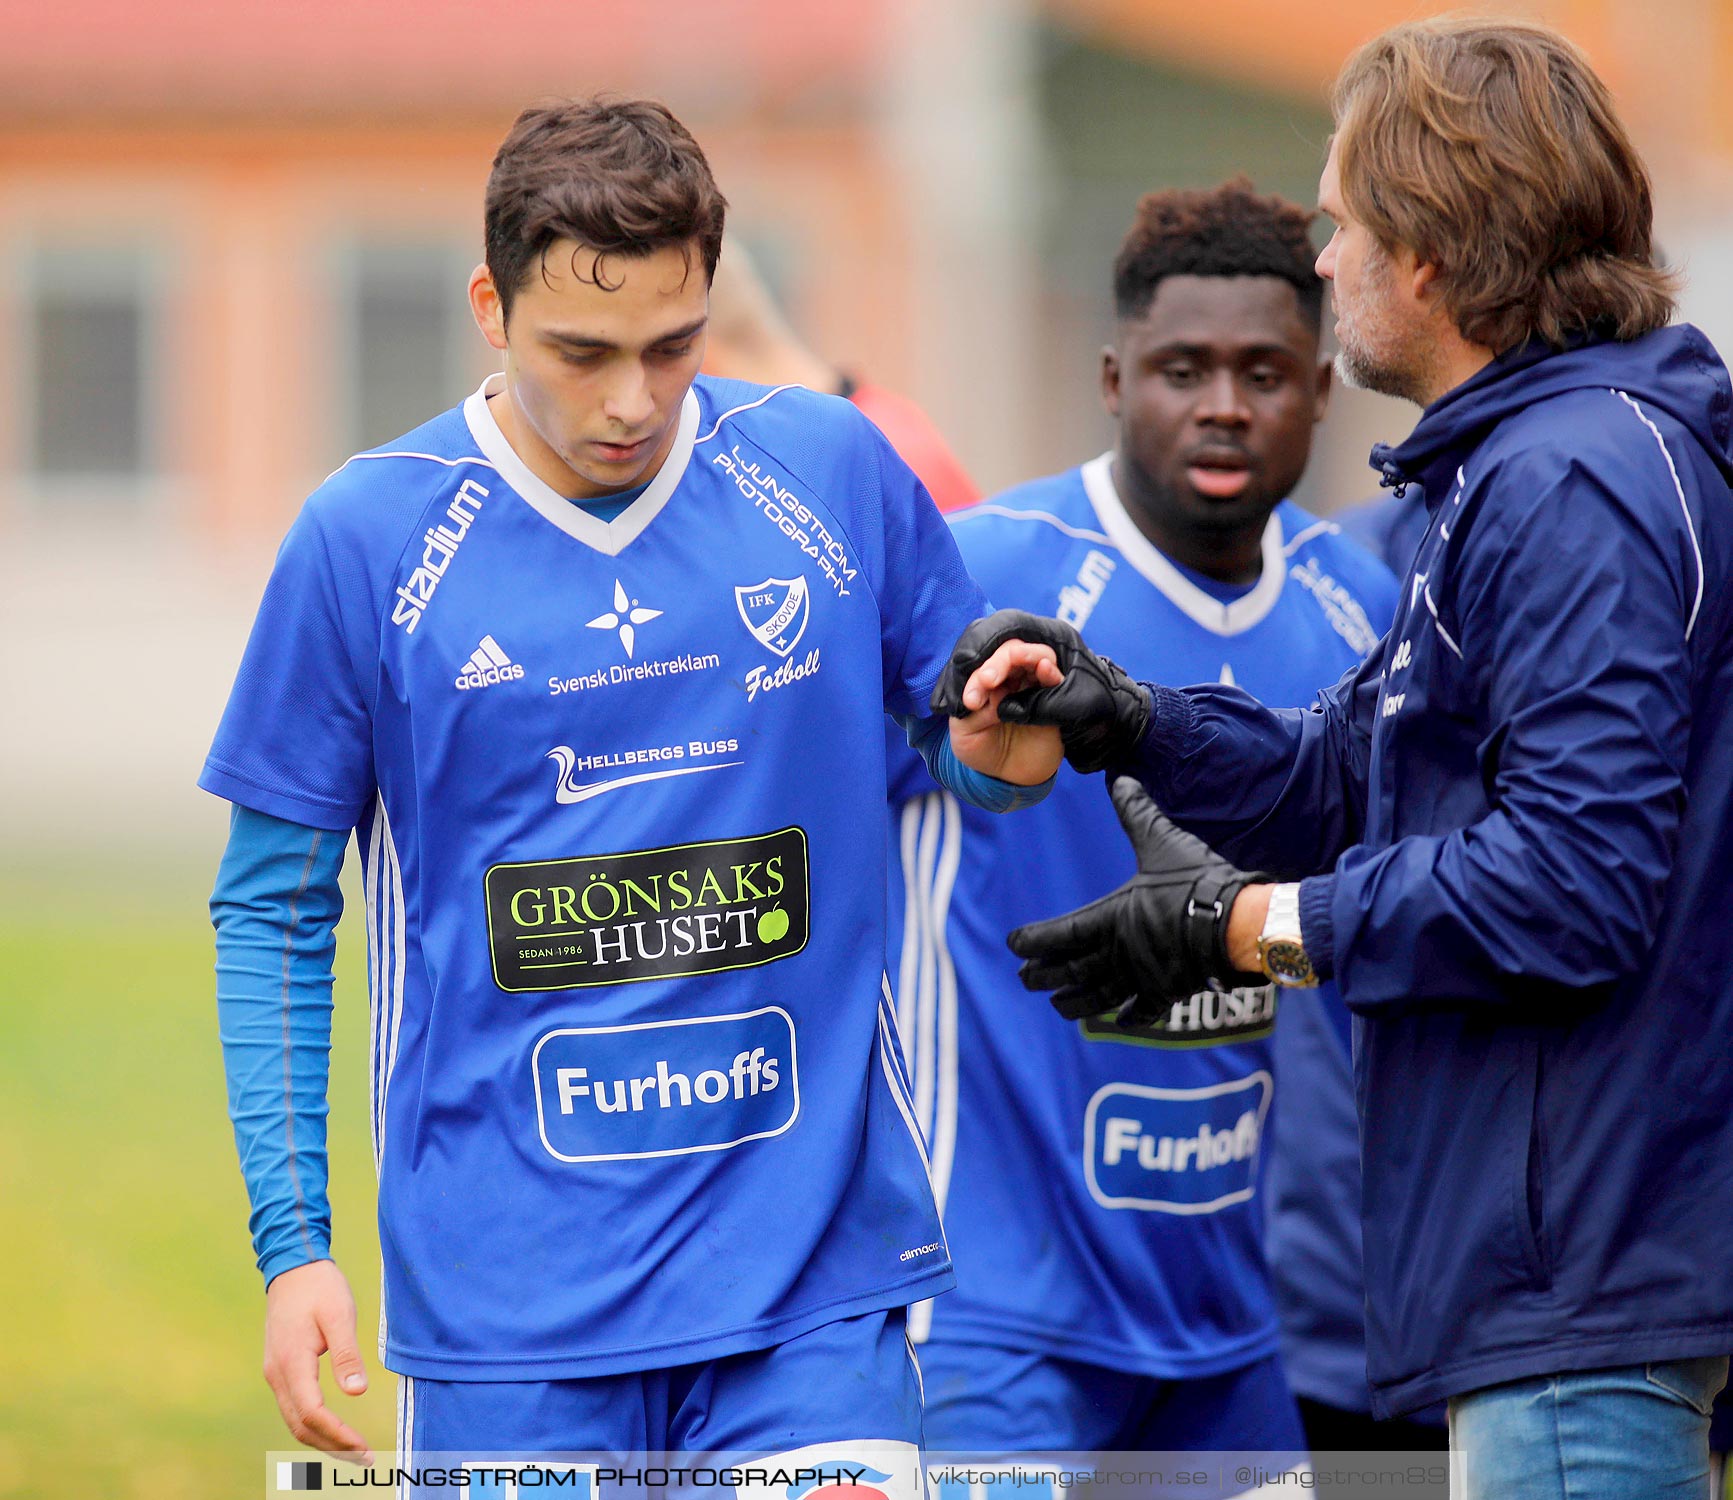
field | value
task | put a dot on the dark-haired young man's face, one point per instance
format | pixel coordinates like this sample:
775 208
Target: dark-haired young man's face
1216 388
596 370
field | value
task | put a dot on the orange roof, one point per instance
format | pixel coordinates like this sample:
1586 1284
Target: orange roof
1664 59
374 57
1286 48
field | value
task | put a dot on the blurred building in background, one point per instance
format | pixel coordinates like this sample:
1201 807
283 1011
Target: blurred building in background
234 239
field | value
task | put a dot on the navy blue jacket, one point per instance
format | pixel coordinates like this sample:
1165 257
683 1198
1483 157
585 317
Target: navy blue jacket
1524 806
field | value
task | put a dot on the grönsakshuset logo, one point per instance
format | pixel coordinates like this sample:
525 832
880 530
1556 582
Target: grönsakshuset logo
669 913
1209 1018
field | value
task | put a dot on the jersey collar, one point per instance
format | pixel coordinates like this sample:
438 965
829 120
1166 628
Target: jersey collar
1142 554
609 537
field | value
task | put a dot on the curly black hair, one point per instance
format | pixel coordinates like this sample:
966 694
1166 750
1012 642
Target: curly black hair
1225 231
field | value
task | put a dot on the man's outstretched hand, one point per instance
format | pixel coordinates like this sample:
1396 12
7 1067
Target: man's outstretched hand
983 740
308 1312
1100 712
1160 937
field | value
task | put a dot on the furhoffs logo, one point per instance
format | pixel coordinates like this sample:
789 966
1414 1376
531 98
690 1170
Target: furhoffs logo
666 1088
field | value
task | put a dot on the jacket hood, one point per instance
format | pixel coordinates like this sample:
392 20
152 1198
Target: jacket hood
1676 369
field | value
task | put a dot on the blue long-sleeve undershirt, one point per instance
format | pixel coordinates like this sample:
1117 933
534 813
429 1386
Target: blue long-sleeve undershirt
931 738
275 909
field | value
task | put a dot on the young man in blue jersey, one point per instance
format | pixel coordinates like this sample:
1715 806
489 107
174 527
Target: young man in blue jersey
1507 835
1100 1183
595 667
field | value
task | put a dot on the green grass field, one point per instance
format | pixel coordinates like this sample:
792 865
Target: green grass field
133 1311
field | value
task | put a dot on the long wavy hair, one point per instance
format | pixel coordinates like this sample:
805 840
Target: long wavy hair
1492 151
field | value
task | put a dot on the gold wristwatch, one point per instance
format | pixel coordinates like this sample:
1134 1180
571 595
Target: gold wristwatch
1281 949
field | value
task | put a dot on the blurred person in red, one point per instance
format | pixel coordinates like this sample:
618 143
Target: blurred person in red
751 340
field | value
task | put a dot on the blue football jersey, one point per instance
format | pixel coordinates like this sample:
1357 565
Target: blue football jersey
1098 1185
618 788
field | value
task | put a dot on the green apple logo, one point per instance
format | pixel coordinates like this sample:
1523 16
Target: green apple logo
773 925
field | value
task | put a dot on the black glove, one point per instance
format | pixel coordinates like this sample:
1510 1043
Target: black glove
1101 713
1160 937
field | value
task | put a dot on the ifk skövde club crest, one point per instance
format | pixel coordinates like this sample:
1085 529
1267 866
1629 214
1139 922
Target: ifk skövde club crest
775 611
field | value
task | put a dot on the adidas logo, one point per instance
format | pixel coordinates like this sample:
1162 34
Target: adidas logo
487 666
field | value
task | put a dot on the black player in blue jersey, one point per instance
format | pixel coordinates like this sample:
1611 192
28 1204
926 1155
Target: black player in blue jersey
1101 1183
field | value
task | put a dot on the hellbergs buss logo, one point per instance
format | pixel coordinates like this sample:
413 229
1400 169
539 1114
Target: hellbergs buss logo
668 760
839 1486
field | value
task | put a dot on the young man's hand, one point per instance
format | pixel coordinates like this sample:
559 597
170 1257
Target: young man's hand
309 1312
1099 710
1024 754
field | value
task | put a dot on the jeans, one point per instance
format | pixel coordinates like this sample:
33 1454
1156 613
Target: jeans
1640 1432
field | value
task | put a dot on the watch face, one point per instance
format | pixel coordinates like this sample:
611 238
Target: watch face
1287 961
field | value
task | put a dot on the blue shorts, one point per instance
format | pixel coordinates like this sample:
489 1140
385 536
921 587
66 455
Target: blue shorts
852 1380
982 1399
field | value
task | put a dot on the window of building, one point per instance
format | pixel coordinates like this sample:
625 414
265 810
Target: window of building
88 351
413 347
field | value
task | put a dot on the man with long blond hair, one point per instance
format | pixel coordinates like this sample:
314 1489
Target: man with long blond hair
1506 837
